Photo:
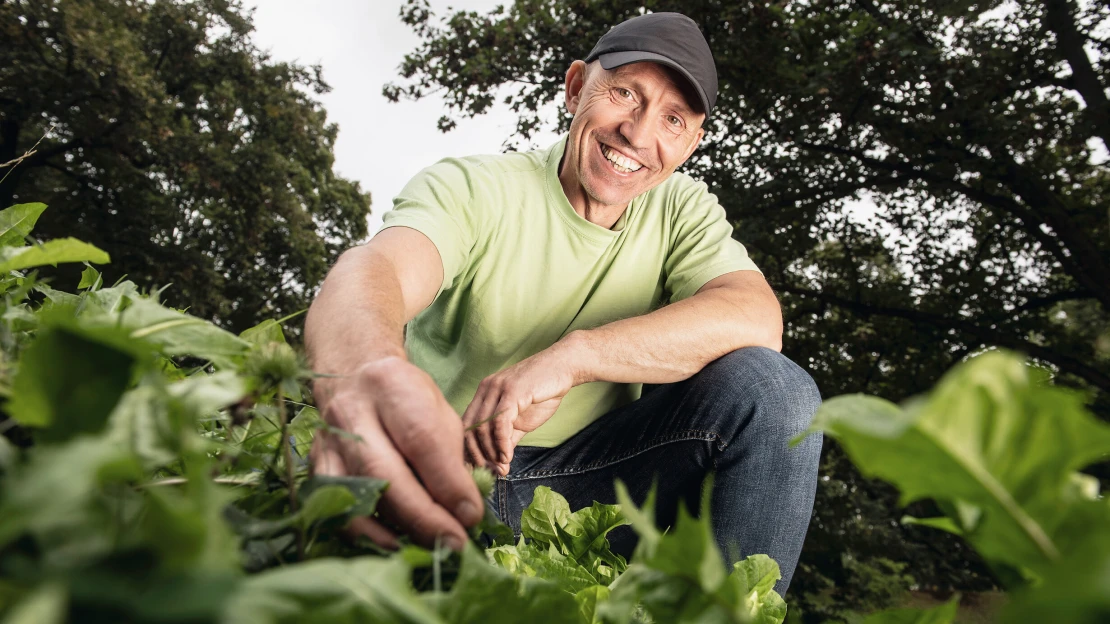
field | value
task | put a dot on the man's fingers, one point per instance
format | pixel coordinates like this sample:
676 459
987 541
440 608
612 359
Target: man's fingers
434 448
470 442
376 531
325 458
405 501
502 429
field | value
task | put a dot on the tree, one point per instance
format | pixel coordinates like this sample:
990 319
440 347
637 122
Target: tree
919 180
175 144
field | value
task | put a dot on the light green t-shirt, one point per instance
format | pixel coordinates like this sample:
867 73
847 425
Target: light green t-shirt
521 269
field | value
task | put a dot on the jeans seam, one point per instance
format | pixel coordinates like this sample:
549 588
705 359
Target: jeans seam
683 436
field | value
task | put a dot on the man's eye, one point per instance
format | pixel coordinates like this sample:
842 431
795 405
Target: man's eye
624 93
674 121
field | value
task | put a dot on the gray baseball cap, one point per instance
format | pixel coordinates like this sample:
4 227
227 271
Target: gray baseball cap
671 39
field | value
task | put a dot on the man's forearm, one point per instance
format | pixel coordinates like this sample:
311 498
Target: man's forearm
676 341
358 315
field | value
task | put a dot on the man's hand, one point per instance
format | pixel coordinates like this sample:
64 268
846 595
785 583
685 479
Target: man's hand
512 402
403 420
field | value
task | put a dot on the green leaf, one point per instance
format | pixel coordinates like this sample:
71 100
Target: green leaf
1077 589
265 332
53 252
588 528
364 589
546 562
325 502
942 523
588 599
45 605
365 492
187 527
180 334
679 576
751 584
90 278
303 429
547 511
17 222
941 614
57 495
486 593
68 383
8 455
108 301
990 444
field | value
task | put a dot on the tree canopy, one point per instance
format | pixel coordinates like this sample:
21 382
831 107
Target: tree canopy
175 144
919 181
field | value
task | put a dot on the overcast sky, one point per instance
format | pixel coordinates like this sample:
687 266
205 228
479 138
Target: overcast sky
360 45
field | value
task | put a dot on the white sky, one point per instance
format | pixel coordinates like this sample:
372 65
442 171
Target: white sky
360 45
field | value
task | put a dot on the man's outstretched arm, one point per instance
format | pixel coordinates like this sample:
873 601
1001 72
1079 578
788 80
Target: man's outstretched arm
407 432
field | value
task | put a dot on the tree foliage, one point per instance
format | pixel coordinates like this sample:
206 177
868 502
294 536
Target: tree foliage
919 181
175 144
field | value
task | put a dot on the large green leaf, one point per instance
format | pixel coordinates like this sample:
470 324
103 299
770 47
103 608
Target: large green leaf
365 491
995 447
365 589
68 383
45 605
679 576
17 222
547 511
486 593
580 536
186 527
588 599
176 333
1077 589
57 251
58 496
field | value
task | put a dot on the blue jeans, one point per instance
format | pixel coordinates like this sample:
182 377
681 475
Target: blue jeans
733 418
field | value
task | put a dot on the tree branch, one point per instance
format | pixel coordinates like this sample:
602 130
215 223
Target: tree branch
1082 260
987 335
1060 19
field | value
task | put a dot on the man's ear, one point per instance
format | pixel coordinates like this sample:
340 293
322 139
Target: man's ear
575 80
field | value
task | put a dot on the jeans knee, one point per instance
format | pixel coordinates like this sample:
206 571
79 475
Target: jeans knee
779 394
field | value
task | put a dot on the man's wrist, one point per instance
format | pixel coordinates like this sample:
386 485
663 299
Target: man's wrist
332 376
575 353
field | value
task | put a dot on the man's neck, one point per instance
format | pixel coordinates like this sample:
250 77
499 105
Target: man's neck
599 214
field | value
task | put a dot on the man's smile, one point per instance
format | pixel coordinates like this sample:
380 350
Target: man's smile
618 161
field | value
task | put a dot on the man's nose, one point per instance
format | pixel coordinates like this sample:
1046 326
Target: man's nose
635 130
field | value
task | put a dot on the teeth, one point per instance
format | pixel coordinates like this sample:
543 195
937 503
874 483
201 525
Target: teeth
624 165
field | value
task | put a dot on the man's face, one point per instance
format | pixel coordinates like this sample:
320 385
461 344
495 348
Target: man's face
632 128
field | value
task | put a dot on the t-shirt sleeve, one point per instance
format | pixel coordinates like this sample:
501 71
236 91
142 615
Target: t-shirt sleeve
701 245
438 202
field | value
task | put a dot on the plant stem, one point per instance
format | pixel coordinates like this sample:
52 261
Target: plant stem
290 470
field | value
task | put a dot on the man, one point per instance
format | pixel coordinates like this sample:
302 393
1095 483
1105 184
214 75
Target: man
533 288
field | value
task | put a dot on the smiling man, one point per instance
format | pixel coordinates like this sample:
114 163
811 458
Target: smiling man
540 291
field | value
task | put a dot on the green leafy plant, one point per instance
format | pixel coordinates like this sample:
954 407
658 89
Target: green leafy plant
999 449
154 468
161 475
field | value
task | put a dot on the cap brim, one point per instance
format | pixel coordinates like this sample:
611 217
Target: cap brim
613 60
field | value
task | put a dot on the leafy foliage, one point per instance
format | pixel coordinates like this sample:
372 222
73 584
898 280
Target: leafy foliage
999 450
168 480
160 489
172 142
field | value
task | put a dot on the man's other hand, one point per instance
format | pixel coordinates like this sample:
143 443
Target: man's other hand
513 402
409 436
